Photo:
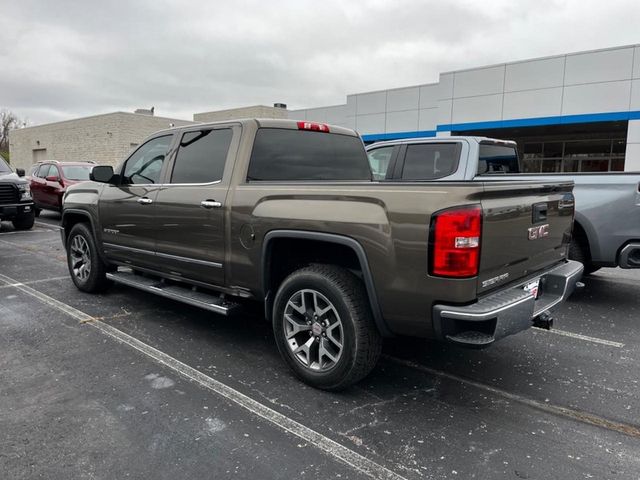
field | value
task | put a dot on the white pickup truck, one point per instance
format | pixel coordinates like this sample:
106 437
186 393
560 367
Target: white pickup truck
607 205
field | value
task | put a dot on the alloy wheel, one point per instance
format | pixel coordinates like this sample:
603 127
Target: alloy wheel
80 258
313 330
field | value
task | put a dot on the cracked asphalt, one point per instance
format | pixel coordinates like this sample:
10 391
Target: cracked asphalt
83 402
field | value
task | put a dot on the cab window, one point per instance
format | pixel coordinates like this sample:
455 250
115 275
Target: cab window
379 161
201 156
145 165
428 161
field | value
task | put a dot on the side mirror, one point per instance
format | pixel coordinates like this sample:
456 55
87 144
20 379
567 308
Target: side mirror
101 173
52 178
20 172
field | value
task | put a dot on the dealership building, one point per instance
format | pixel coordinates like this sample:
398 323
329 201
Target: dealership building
577 112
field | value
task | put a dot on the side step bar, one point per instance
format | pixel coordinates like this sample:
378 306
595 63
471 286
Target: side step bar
185 294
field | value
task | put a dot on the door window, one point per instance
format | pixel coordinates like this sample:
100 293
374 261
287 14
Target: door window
426 161
44 171
202 156
145 165
379 161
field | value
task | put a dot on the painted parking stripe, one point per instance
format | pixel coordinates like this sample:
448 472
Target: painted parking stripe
50 225
571 413
578 336
33 282
19 232
329 446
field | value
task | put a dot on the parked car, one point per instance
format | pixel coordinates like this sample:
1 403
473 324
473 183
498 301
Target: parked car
607 205
16 203
49 181
286 214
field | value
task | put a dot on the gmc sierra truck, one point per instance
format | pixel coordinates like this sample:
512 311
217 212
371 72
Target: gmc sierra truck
607 217
286 214
16 204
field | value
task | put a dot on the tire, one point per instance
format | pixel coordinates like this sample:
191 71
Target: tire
580 253
337 313
24 222
86 268
37 211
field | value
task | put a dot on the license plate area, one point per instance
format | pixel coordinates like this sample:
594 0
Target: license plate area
532 287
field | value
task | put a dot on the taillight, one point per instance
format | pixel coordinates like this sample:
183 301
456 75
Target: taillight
455 242
316 127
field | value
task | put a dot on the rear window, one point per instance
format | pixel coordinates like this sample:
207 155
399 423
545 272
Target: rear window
76 172
427 161
280 154
497 160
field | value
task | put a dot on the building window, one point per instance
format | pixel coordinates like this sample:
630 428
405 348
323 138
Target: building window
578 147
573 156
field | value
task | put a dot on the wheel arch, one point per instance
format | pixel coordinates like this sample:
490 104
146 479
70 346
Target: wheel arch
583 231
71 217
267 267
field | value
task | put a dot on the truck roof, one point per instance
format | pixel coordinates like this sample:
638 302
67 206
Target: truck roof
265 123
477 139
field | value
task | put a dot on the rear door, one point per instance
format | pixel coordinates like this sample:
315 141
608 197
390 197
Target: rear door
191 205
127 210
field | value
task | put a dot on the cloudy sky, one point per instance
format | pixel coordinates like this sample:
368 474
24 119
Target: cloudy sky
63 59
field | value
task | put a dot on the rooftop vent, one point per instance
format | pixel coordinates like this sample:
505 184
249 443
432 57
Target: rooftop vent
144 111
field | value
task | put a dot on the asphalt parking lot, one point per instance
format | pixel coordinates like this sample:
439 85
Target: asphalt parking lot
129 385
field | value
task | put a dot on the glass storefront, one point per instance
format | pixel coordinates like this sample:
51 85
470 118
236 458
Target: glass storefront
592 147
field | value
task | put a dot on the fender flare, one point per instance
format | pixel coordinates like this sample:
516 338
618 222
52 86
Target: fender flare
86 215
327 238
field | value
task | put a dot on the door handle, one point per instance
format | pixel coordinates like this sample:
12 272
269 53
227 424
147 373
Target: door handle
210 204
145 201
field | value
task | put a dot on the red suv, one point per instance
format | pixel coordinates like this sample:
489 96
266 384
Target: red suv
50 179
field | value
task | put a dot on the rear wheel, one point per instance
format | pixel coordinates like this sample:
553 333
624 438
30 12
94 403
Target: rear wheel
324 328
86 268
579 252
24 222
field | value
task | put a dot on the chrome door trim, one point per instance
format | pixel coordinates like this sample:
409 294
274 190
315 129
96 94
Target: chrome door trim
163 255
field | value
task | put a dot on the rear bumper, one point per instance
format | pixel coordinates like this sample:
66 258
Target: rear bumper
507 311
13 210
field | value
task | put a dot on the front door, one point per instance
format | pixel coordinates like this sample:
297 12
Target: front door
127 210
190 227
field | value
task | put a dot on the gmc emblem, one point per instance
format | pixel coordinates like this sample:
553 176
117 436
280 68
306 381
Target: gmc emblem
539 232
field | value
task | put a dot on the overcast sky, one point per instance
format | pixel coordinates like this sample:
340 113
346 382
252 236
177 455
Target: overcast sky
62 59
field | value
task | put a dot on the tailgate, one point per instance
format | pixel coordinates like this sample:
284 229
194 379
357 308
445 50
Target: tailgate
526 227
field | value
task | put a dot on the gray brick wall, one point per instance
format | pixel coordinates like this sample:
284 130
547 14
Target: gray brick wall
106 139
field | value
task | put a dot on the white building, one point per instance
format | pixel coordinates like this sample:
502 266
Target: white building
573 112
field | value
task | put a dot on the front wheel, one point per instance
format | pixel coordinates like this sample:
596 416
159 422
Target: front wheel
324 328
24 222
86 268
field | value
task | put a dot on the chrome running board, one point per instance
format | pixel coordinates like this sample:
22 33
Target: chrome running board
182 293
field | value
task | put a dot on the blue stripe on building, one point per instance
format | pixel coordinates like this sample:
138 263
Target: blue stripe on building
520 122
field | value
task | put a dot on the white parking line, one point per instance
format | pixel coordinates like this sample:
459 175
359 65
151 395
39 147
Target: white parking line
584 417
32 282
327 445
51 225
586 338
33 230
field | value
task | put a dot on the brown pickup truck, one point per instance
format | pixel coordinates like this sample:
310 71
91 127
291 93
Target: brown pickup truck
286 213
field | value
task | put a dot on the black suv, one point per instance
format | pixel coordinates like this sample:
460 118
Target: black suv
16 203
